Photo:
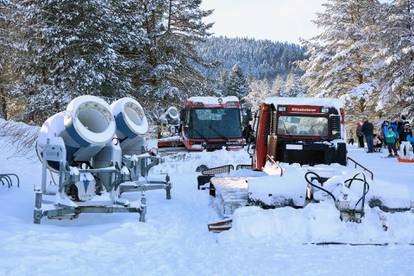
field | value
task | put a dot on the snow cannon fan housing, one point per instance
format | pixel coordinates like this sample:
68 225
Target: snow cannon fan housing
86 126
173 114
131 125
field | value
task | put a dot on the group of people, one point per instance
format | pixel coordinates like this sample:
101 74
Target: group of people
391 135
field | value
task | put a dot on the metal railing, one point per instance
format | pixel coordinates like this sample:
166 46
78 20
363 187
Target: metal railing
356 164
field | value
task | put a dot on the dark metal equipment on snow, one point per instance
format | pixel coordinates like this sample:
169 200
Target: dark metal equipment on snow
8 179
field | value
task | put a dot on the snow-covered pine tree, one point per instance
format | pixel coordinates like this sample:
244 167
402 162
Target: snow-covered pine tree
7 50
259 91
237 84
259 59
74 49
340 58
292 87
277 86
173 27
397 73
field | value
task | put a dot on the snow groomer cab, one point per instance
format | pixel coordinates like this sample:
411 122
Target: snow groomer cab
212 123
300 130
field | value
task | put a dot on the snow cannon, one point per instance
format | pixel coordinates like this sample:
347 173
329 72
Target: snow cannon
169 122
87 146
171 115
85 127
131 125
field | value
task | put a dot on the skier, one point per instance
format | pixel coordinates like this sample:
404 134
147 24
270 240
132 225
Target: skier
360 135
368 131
391 139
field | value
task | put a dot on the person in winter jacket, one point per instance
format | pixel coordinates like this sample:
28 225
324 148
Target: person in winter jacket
384 128
406 132
368 130
391 139
360 135
401 126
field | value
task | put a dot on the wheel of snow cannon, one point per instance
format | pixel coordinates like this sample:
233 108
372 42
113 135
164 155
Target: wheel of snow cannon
37 213
143 208
168 187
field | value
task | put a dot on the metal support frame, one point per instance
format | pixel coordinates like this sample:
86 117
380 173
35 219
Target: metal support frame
145 163
143 186
70 212
57 153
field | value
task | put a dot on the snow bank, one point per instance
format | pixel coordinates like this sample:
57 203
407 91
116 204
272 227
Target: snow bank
326 102
319 223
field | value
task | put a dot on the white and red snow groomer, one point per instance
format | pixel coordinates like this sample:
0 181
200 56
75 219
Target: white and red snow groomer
208 123
212 123
300 130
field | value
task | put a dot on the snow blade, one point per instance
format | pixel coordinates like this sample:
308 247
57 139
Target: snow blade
220 226
171 145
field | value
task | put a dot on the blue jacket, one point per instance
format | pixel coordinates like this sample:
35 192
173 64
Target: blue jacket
390 137
410 138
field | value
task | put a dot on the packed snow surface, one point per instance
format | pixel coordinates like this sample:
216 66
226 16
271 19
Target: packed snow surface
175 239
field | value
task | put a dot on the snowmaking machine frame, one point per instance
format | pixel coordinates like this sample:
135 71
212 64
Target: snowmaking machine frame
197 134
57 153
98 153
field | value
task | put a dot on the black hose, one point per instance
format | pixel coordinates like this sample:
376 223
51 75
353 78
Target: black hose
347 183
316 186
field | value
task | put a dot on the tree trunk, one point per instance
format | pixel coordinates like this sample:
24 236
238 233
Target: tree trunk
3 104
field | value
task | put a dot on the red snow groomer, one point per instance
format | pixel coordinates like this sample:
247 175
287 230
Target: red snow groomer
300 130
209 123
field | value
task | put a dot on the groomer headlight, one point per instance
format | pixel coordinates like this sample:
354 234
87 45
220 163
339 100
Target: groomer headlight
198 104
324 110
232 104
115 141
281 108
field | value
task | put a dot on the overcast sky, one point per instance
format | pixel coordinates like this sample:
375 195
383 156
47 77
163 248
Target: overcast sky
278 20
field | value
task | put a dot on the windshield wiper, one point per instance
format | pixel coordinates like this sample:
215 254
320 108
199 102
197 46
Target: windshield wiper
199 134
217 132
284 126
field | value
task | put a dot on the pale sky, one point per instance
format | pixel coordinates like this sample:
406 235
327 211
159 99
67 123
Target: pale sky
277 20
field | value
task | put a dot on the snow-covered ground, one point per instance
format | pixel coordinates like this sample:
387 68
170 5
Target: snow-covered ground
175 239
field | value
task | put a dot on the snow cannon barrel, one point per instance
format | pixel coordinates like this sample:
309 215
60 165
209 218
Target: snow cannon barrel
131 125
130 118
86 126
173 113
